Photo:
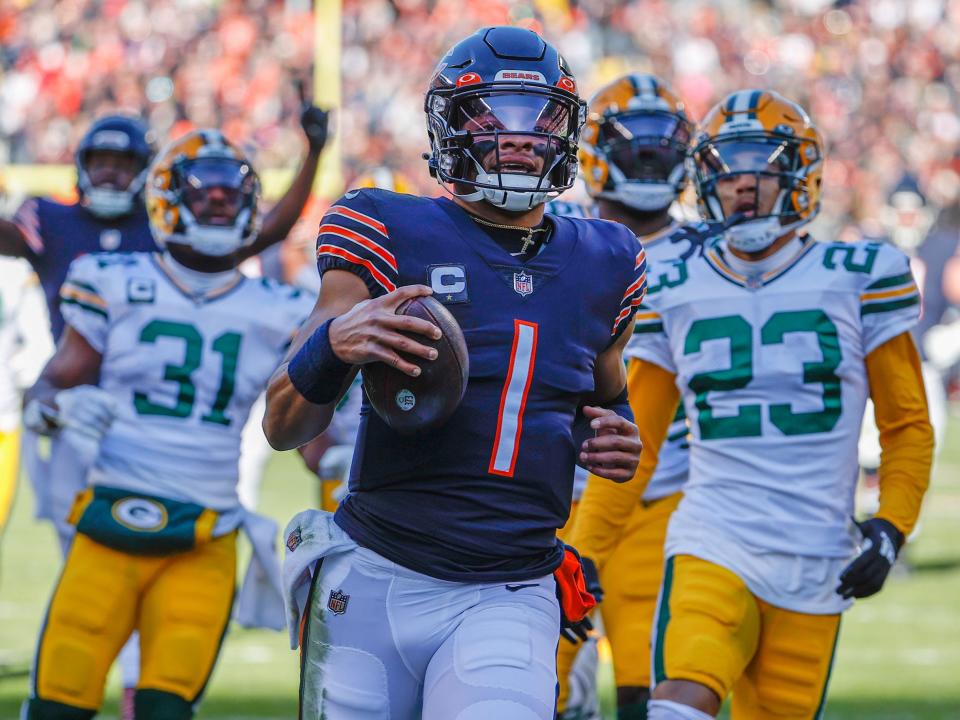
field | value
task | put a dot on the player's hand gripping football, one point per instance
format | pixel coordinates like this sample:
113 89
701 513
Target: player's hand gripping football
371 331
614 452
866 574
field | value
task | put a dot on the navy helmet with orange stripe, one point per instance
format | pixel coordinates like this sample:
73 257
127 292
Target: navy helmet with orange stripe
122 135
504 119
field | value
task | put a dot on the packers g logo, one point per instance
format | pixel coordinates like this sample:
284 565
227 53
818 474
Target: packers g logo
140 514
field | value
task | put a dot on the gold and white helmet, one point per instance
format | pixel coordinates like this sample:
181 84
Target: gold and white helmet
202 191
634 143
759 133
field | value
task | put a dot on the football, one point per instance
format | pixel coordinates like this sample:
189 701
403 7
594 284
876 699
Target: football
415 404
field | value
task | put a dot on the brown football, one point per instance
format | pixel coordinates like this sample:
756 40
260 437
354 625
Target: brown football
413 404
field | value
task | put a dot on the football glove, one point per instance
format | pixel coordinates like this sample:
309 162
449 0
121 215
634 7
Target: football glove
86 410
315 123
574 594
866 574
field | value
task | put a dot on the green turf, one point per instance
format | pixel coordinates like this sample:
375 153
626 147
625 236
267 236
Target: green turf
899 654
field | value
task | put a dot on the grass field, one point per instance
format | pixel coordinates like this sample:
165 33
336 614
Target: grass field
899 655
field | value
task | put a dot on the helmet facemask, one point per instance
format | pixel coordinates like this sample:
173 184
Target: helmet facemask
108 202
511 144
644 153
780 200
216 198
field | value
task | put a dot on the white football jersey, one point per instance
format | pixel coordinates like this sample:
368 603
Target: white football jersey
772 376
671 470
184 369
25 342
673 461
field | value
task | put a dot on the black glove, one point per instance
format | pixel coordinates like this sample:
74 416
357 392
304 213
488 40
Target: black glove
575 632
577 590
591 578
315 123
866 574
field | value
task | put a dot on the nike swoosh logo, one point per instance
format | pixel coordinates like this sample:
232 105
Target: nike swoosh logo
514 588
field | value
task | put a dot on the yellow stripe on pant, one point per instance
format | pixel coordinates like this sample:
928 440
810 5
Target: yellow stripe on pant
180 604
9 472
631 581
713 631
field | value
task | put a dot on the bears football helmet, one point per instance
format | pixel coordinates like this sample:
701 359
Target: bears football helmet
635 143
180 184
117 134
761 133
504 119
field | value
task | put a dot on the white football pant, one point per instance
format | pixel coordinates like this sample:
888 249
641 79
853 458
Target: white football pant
385 642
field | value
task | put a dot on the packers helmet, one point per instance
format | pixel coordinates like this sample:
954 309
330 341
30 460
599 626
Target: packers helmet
634 144
179 187
760 133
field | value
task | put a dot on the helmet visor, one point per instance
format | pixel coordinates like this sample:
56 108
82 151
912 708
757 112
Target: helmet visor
645 146
533 113
215 190
763 156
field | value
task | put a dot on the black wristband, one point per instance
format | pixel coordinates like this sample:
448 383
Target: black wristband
581 423
315 370
621 405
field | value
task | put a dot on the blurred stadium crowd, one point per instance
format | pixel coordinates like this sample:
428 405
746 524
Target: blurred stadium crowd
881 78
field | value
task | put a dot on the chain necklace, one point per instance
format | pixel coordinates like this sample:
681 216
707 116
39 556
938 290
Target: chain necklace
528 239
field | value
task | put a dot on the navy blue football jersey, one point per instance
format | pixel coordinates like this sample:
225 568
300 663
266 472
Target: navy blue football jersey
57 234
481 498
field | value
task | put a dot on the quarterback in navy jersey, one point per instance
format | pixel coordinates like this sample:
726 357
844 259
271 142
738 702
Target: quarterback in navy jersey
433 591
109 215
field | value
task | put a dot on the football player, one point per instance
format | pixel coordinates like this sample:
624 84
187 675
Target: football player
437 593
632 157
24 348
109 215
774 341
161 358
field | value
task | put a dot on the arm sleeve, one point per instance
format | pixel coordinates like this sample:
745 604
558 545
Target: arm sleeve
27 219
890 303
352 238
606 506
633 295
649 341
83 303
906 436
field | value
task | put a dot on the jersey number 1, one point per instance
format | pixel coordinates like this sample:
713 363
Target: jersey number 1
226 345
513 400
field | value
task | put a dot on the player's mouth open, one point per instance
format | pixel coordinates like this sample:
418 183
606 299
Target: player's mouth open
747 209
522 167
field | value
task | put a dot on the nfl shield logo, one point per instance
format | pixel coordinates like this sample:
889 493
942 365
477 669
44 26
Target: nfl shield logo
337 603
294 539
523 283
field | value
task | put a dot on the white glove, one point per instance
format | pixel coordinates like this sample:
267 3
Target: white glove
86 410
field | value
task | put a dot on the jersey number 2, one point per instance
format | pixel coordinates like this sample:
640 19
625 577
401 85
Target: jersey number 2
226 345
513 400
747 421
